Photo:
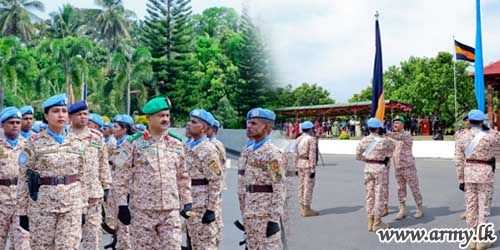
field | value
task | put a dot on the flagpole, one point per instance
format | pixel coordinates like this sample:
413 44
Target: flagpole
455 77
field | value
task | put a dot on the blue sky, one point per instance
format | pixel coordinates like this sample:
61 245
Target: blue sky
331 42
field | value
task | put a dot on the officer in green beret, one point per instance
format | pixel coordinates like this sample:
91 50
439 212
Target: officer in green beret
155 177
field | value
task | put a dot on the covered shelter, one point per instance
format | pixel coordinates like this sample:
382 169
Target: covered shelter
492 82
340 109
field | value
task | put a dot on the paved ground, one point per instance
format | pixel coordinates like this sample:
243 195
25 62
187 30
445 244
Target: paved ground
339 195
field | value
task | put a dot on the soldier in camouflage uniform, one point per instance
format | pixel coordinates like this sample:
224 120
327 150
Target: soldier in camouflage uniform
11 144
405 168
264 184
158 182
306 166
122 129
205 170
242 162
457 137
107 132
53 214
221 150
98 171
27 121
476 171
375 151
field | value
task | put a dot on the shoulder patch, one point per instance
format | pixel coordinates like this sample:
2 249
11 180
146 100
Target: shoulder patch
275 169
24 156
134 136
174 135
215 168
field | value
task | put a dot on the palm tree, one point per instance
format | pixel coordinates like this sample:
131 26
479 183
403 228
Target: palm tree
132 72
111 25
16 17
66 22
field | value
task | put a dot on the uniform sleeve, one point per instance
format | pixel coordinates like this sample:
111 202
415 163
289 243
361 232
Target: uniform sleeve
278 195
398 136
241 183
84 180
359 151
22 185
313 148
104 169
460 160
124 173
390 147
213 173
183 181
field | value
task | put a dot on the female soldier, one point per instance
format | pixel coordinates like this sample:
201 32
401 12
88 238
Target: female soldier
52 172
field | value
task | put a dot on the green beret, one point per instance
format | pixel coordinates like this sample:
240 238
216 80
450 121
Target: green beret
156 105
399 118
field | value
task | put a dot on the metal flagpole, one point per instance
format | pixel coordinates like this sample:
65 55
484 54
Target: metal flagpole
455 77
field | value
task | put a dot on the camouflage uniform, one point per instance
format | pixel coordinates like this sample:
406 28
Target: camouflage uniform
242 161
264 169
203 165
375 171
221 149
99 179
116 161
56 217
9 173
306 164
477 174
405 168
155 175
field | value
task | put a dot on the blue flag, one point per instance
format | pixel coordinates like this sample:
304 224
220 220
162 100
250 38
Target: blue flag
478 71
378 102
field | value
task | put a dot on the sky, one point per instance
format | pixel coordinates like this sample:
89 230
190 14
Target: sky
332 42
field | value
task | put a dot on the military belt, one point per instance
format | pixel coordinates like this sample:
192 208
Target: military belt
8 182
57 180
374 162
485 162
304 158
199 182
259 188
241 171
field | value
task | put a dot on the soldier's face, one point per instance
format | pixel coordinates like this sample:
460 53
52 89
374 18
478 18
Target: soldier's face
118 131
210 132
12 127
80 119
27 122
57 116
256 128
196 127
107 131
94 125
398 126
159 121
467 123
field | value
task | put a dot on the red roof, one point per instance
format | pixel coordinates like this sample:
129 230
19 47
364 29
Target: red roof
492 69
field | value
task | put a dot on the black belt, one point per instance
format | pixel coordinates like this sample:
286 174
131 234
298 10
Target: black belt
485 162
241 171
57 180
259 188
374 162
199 182
303 158
8 182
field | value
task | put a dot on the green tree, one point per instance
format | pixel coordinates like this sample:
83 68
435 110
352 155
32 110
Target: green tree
66 22
111 25
16 17
313 94
216 21
365 95
132 72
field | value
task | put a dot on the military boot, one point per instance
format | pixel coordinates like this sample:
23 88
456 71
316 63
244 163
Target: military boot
419 213
463 215
302 213
401 215
483 245
370 223
473 245
379 224
386 211
309 212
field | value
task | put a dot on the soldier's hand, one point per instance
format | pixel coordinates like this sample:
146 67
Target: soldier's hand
106 195
187 208
208 217
84 219
124 215
297 173
461 186
312 175
272 228
24 222
386 160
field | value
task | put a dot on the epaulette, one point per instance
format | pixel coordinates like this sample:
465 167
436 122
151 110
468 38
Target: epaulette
134 136
174 135
96 132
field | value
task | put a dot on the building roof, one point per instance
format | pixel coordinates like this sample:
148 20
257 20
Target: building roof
356 108
492 69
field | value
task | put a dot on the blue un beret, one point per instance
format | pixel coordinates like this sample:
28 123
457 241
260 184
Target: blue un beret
374 123
202 115
57 100
10 112
124 118
97 119
476 115
140 127
261 113
44 125
109 125
216 124
36 127
77 107
306 125
27 110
